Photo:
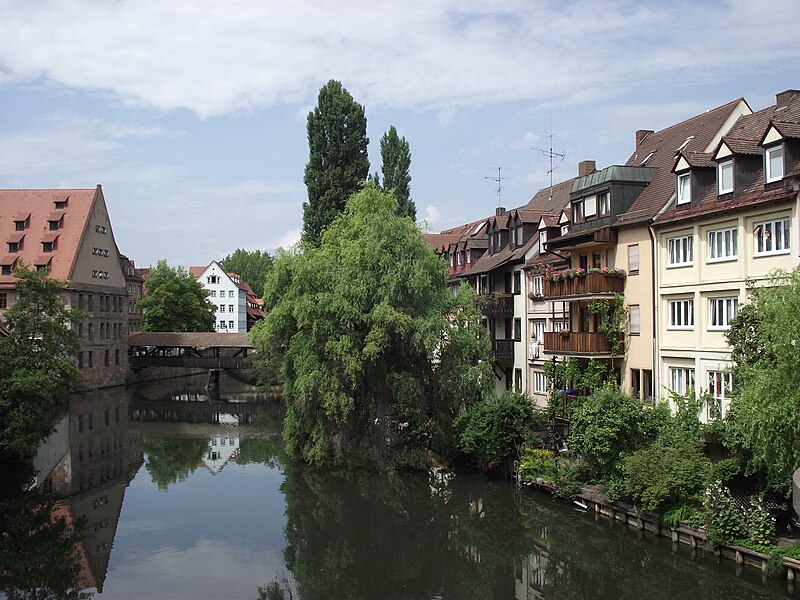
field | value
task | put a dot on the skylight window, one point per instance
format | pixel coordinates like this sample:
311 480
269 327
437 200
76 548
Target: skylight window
684 144
647 159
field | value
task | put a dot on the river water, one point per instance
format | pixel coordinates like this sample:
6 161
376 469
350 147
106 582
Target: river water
176 505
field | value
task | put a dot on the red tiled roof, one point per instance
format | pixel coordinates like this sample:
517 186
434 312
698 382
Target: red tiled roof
39 205
662 145
197 271
751 198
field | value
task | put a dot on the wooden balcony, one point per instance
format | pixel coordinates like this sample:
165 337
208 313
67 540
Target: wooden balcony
592 283
575 343
499 305
503 351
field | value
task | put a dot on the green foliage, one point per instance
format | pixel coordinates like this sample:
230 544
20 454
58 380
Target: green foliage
376 355
396 158
562 472
277 589
253 267
683 513
765 406
612 321
608 426
337 158
37 372
171 460
175 301
493 431
568 374
728 522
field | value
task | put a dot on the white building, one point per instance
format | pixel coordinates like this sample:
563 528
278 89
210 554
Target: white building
228 293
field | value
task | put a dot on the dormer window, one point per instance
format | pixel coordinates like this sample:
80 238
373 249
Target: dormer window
577 211
47 246
684 189
19 225
604 202
542 240
60 204
589 207
565 229
725 177
774 163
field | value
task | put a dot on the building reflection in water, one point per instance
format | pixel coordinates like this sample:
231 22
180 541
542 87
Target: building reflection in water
90 479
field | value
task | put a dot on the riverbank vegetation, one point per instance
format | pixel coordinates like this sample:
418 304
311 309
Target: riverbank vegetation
175 301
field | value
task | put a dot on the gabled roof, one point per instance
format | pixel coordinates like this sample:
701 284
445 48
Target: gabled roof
697 159
38 205
700 131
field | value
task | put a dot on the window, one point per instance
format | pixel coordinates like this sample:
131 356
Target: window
519 232
565 229
230 307
3 300
681 380
725 177
47 246
230 293
681 314
105 359
723 244
772 237
54 224
720 385
684 144
537 285
537 331
633 259
91 364
13 246
469 260
774 160
212 279
542 240
590 207
80 366
721 311
230 325
222 325
213 294
634 319
19 225
679 250
518 330
577 211
518 379
517 284
6 270
539 382
604 201
221 308
684 189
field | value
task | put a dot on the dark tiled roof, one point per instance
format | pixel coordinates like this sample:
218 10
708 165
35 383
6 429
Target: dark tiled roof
710 206
699 159
663 144
546 203
740 146
788 130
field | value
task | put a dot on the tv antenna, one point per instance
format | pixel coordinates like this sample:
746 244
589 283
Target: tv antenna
551 155
498 179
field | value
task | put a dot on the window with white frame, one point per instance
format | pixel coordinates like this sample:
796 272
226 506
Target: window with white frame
725 177
684 189
213 294
469 257
542 240
633 259
537 331
774 160
577 211
721 311
221 308
723 244
222 325
519 232
679 251
539 382
230 325
681 313
537 285
589 206
230 307
720 385
634 319
681 379
771 237
565 229
230 293
460 257
604 203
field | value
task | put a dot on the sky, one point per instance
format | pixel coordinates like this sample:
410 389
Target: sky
192 113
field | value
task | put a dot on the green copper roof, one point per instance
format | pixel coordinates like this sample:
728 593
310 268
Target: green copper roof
618 173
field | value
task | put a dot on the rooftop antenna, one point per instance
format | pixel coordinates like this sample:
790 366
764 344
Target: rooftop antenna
498 179
551 155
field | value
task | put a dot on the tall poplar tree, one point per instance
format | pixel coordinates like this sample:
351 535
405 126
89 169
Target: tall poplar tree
396 158
337 157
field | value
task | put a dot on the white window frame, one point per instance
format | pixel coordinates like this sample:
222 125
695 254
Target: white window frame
539 382
538 328
230 308
722 168
684 193
723 244
768 157
681 379
721 310
230 293
635 319
681 313
537 285
589 204
577 212
680 251
633 259
720 386
542 240
763 239
221 308
231 325
565 229
604 203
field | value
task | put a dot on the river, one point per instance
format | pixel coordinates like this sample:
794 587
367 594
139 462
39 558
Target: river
177 505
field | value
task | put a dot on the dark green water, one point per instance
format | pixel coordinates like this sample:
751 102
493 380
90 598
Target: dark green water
200 510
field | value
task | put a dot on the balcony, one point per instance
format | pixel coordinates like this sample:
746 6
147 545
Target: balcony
503 351
499 305
574 342
590 284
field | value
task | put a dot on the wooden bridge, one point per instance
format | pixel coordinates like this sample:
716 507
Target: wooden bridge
189 350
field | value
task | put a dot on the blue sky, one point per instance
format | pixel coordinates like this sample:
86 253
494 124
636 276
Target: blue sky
192 113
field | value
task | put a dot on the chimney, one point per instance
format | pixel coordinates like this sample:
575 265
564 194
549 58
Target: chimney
641 134
499 211
585 167
782 99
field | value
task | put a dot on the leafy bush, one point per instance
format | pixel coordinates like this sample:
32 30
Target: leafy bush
538 465
730 523
687 513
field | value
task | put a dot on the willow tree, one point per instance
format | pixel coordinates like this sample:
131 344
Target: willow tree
376 356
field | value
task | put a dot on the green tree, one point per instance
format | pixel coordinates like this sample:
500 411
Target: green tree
360 330
253 267
765 404
396 161
175 301
37 370
337 159
171 460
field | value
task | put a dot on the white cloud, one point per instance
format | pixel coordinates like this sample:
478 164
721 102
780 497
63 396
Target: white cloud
213 60
431 219
287 240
